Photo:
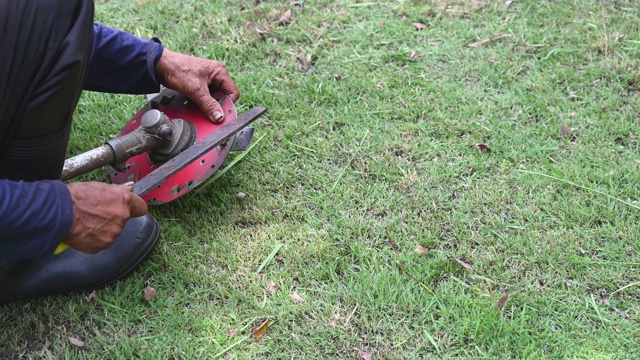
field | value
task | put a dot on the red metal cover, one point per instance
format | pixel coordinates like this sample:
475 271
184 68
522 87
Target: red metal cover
176 106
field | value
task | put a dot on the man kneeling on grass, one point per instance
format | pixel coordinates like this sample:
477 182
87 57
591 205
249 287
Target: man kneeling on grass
51 51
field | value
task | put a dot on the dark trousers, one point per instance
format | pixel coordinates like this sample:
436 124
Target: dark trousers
45 47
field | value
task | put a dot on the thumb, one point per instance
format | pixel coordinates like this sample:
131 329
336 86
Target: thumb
209 105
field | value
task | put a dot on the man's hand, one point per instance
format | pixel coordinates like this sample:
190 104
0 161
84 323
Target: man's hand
194 77
100 212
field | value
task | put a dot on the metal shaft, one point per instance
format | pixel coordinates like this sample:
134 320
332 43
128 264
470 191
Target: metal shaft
155 131
90 160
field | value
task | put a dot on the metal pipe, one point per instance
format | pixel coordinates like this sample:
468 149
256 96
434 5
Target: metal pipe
90 160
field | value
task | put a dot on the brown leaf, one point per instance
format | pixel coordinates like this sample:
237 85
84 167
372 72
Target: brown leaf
394 247
231 333
271 287
284 18
47 343
509 2
144 347
486 41
364 355
500 303
261 330
91 296
265 123
479 43
149 293
483 147
623 314
565 130
76 342
470 170
296 297
258 12
420 250
415 55
419 26
464 264
383 43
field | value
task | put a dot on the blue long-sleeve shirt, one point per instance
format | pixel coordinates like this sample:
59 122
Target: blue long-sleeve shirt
36 216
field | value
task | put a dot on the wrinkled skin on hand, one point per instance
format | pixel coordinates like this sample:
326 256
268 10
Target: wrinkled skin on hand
100 212
195 78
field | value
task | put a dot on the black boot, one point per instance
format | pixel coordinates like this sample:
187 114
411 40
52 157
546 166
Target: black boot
73 271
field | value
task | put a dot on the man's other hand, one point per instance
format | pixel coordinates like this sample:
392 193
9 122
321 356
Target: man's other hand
194 77
100 212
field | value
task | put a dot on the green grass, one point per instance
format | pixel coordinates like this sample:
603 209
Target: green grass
366 139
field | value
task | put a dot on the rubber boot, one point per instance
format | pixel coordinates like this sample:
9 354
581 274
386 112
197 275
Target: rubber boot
74 271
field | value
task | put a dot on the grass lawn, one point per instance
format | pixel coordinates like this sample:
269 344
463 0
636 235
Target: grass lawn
411 179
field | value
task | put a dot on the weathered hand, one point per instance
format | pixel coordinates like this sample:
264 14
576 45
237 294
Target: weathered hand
100 212
194 77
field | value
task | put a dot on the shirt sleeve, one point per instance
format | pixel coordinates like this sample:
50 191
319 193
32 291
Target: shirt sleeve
122 63
34 217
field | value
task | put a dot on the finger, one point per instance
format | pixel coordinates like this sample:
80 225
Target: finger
223 82
209 105
137 206
128 185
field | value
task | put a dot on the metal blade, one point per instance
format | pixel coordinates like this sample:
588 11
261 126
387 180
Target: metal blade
198 149
242 140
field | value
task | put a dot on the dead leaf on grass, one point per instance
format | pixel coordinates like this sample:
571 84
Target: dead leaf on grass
486 41
265 123
260 331
419 26
383 43
231 333
500 303
565 130
415 55
149 293
420 250
271 287
509 2
483 147
76 342
464 264
47 343
91 296
297 298
364 355
284 18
